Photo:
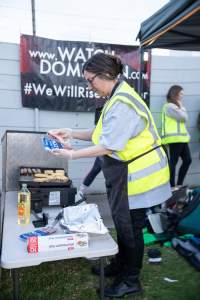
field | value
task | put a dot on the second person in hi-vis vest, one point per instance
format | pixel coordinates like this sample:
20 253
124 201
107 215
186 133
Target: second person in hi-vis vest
175 134
134 164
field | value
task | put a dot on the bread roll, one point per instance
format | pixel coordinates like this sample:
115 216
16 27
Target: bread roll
60 172
40 175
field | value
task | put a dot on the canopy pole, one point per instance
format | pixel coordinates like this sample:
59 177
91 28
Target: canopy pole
141 69
36 110
33 16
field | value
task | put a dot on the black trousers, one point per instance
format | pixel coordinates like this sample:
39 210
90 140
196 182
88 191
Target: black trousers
177 150
128 223
131 257
96 169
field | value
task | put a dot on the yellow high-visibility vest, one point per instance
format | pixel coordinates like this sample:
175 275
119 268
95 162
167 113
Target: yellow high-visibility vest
173 131
151 170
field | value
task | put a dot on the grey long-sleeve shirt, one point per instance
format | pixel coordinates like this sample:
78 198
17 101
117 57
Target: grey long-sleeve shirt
175 112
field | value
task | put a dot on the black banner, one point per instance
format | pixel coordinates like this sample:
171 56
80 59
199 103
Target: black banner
51 72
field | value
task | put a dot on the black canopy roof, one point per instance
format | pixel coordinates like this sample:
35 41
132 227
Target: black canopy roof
175 26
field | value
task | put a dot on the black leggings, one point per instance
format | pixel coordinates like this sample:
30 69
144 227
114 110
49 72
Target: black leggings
177 150
96 169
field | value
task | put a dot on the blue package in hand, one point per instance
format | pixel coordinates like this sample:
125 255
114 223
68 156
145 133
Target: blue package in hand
51 144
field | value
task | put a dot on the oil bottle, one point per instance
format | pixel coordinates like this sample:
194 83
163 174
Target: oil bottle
24 205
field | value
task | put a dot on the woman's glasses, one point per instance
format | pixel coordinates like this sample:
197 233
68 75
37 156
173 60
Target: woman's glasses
90 81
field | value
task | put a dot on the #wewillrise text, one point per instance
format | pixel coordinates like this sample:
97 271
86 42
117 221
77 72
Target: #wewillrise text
69 91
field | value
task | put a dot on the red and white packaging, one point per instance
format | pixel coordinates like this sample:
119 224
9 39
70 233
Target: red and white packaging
55 242
32 244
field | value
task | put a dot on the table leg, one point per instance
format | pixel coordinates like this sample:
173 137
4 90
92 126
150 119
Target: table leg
101 278
15 278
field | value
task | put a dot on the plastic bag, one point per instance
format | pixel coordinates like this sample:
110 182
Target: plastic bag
84 218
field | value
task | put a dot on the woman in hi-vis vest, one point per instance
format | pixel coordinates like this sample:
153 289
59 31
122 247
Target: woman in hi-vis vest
134 164
175 134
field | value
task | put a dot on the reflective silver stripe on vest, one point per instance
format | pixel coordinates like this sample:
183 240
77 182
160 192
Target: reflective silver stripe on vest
178 126
163 125
155 196
148 170
174 134
143 109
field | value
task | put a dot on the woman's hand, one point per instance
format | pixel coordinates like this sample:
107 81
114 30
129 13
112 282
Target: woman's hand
65 153
63 135
179 103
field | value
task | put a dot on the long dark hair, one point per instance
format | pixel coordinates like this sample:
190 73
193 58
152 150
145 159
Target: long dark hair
106 65
173 93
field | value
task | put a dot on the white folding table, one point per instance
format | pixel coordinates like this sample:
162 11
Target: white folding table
14 253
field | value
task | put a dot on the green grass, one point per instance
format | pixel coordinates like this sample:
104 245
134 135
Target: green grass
72 280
